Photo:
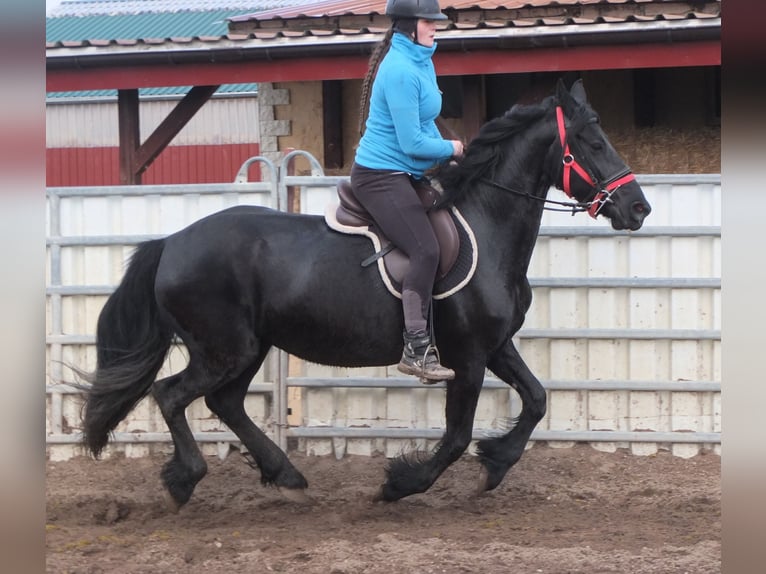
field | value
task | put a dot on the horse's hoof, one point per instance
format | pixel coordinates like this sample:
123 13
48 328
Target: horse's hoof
296 495
378 496
171 503
481 489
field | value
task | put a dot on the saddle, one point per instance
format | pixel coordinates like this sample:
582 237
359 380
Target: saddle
457 245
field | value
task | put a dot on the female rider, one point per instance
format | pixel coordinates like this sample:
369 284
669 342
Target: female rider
400 142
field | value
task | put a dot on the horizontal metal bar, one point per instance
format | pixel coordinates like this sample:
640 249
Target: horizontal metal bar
646 231
139 190
489 383
627 334
577 436
144 437
66 389
678 178
131 240
627 436
70 339
616 385
362 383
555 334
410 433
627 282
100 240
305 181
643 179
312 180
72 290
493 383
537 283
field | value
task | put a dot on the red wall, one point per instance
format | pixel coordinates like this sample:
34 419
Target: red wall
176 164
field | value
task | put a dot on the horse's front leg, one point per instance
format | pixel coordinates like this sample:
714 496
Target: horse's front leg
416 472
498 454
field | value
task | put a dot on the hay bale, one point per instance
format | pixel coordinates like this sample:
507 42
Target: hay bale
670 150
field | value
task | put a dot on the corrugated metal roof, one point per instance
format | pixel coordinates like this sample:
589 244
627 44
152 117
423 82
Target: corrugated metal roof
172 91
340 7
81 20
77 8
330 8
107 20
354 17
134 26
342 27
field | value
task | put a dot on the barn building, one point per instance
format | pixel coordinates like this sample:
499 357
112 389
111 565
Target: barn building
274 77
651 67
83 125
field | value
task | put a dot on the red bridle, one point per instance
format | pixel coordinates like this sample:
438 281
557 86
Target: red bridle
603 192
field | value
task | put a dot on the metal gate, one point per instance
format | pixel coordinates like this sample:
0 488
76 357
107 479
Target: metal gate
97 227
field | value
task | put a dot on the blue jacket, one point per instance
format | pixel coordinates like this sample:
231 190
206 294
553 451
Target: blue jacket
400 133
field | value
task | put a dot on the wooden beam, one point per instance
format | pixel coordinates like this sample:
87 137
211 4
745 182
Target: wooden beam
170 126
474 106
473 62
129 135
332 120
579 58
644 98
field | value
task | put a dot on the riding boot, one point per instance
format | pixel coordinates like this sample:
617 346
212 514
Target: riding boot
420 358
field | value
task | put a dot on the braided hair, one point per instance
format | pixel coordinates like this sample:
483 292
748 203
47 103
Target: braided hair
408 27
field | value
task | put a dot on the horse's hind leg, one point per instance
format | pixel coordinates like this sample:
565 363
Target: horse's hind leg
500 453
173 394
187 467
227 403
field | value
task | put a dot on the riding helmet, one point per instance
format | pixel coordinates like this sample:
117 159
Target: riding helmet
423 9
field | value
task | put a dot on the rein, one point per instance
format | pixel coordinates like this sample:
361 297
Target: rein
570 207
603 191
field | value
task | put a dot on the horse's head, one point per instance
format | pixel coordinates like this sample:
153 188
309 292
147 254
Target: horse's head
590 170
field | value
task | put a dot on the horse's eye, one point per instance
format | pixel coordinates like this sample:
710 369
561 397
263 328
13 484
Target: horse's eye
593 143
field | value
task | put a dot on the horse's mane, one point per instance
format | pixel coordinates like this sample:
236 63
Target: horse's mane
485 151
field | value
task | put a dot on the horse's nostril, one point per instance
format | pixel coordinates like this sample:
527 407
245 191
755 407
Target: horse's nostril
640 208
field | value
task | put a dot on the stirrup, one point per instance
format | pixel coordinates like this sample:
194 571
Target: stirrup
411 366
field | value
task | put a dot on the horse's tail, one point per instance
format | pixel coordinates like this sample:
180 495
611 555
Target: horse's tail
131 344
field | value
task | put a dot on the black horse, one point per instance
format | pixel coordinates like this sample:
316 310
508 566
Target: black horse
235 284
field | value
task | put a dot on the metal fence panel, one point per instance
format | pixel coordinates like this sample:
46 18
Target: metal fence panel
631 320
624 329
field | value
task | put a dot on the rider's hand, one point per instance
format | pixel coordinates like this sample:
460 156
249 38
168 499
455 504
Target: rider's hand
457 148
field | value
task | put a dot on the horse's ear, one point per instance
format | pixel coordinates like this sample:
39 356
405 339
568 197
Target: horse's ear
564 97
578 92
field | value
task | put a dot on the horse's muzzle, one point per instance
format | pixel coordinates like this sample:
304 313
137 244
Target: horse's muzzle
638 212
624 215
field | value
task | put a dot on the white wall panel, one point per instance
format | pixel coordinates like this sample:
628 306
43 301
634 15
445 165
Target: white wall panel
219 121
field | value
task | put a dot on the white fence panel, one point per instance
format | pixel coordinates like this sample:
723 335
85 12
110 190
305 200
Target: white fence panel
631 312
624 330
91 233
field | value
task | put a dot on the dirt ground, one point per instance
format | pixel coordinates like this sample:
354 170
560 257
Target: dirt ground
558 511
